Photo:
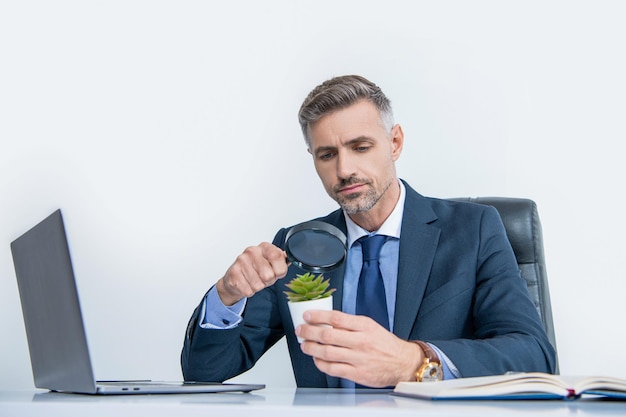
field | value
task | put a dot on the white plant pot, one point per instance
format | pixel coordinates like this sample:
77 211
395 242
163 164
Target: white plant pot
297 309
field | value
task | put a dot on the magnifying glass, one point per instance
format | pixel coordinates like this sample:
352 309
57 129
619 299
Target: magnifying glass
315 246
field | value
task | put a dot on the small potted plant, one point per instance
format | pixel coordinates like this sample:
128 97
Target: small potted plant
308 292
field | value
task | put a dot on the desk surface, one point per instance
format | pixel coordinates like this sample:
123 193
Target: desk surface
285 402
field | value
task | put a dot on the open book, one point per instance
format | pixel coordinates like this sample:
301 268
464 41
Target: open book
532 385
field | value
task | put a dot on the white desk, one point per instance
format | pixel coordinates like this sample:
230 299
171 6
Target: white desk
285 402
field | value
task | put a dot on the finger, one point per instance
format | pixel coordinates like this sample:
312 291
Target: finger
265 272
250 262
231 291
349 371
330 352
339 320
336 369
345 363
276 258
256 268
249 274
323 334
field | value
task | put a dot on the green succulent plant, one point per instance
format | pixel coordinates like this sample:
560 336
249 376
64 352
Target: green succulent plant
306 287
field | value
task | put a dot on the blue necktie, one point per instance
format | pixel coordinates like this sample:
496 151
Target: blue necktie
370 297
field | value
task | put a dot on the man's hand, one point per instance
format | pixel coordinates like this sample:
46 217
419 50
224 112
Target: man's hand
358 348
256 268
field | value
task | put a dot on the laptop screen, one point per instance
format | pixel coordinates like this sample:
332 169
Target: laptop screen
54 326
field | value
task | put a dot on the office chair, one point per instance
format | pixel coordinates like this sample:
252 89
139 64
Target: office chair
523 228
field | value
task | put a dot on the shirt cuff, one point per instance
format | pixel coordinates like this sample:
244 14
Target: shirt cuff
450 371
218 316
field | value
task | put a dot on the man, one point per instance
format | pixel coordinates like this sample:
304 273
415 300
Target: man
452 288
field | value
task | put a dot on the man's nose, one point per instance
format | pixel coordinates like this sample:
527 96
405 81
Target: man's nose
346 167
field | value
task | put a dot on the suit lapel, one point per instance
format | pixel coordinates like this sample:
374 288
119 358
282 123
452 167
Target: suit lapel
418 245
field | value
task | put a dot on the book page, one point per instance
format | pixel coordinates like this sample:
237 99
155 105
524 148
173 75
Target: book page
489 386
530 385
583 384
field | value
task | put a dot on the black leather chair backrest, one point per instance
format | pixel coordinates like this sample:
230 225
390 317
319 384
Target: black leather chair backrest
523 228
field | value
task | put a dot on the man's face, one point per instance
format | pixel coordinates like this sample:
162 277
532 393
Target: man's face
355 158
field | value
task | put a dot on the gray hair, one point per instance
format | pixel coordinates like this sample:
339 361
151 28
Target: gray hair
339 93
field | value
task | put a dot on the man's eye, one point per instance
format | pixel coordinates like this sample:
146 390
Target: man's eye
361 148
326 156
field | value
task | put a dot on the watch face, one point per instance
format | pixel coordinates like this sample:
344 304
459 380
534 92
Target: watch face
430 372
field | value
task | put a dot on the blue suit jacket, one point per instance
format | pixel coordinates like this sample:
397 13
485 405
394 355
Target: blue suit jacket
459 287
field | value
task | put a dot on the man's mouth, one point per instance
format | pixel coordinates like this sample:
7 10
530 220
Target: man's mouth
350 189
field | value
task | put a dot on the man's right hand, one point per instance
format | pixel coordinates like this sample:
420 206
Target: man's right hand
256 268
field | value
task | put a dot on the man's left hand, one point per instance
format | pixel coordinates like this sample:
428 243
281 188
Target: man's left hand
358 348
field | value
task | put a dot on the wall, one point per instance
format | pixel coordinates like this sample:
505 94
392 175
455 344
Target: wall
167 133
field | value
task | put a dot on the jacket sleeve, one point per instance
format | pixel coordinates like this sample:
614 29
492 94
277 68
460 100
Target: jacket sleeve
506 331
216 355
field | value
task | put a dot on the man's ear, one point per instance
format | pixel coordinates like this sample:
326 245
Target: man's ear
397 141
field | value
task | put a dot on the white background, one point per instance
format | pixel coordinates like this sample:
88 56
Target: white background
167 134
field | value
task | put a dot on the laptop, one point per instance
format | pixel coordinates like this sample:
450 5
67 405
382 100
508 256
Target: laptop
56 336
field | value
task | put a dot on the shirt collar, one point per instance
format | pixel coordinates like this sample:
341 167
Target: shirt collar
391 226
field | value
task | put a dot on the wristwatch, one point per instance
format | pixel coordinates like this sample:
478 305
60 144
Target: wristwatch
430 370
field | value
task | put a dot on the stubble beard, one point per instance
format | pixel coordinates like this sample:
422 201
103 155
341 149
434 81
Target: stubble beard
362 201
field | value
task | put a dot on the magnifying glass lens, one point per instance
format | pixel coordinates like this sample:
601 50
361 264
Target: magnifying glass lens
316 246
